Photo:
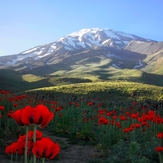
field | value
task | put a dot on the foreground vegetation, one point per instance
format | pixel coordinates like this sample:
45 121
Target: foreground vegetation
122 119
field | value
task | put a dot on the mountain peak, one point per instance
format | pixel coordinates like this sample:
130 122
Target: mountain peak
84 39
93 37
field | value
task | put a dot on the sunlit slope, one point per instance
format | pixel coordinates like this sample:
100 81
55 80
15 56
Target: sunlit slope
154 63
112 90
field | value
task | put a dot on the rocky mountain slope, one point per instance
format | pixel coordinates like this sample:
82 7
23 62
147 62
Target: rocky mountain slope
90 46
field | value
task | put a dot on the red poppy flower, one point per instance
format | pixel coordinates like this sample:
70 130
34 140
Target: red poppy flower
101 112
2 108
99 105
21 145
29 115
137 125
160 135
45 148
12 149
134 103
58 109
17 115
130 128
90 103
38 135
0 116
109 113
71 103
45 115
114 117
10 113
103 121
159 149
38 115
4 92
128 113
151 112
112 122
126 130
122 118
15 105
134 116
77 104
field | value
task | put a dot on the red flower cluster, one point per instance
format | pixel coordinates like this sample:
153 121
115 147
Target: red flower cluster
12 149
2 107
39 115
38 135
160 135
103 121
19 146
159 149
45 148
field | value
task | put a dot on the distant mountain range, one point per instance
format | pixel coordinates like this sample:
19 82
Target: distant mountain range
100 48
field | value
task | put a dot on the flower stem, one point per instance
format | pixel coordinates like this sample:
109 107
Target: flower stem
160 157
11 158
34 140
43 160
26 146
16 156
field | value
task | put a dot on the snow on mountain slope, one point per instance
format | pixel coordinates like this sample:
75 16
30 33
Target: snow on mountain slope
96 37
92 38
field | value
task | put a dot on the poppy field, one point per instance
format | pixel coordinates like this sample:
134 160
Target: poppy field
124 121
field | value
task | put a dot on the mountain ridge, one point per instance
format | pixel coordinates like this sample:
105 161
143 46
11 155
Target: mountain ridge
122 49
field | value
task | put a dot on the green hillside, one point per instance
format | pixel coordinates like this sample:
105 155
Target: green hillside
111 90
17 82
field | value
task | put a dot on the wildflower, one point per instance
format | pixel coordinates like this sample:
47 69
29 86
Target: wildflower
159 149
21 145
17 116
45 148
118 124
12 149
103 121
15 105
137 125
126 130
2 107
128 113
90 103
160 135
39 115
123 118
101 112
71 103
38 135
10 113
58 109
77 105
114 117
134 116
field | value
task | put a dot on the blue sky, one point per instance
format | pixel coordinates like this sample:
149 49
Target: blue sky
25 24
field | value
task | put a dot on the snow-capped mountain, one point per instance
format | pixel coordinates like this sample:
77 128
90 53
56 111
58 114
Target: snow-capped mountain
105 42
